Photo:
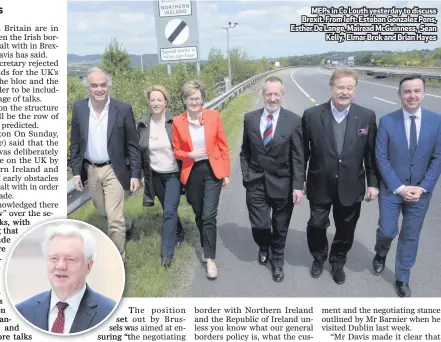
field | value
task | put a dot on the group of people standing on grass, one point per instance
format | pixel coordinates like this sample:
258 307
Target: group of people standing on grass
329 154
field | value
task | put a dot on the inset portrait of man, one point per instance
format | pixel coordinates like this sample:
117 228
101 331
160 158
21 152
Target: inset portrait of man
70 300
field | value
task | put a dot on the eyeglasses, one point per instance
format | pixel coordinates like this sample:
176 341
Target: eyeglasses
194 99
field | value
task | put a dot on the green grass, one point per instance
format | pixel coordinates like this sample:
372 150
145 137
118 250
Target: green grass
144 275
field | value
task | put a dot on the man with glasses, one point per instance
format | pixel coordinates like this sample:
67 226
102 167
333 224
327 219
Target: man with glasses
105 151
273 172
339 139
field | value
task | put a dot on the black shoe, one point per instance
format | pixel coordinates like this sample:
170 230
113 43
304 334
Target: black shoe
378 263
129 231
317 268
278 274
166 262
263 256
403 289
338 274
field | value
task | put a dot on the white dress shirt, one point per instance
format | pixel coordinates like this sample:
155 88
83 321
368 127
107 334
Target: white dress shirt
96 149
69 312
407 123
197 135
264 120
339 116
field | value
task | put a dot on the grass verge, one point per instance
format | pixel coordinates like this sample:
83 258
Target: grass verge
144 275
429 83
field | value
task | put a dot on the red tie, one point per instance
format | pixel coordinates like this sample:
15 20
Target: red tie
58 326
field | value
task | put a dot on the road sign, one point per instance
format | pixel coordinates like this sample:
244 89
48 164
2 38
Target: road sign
173 8
185 54
176 31
177 35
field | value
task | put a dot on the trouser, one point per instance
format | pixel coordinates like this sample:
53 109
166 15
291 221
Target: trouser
345 219
259 211
409 235
203 192
168 190
108 197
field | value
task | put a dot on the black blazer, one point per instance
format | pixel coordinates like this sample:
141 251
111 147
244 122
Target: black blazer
122 141
330 174
143 130
280 164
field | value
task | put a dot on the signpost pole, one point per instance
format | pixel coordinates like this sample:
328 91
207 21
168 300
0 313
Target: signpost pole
198 68
169 69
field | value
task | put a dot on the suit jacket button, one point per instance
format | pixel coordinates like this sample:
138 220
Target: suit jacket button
336 176
339 160
407 179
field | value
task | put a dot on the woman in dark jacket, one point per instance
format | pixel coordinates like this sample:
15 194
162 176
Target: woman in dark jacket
161 169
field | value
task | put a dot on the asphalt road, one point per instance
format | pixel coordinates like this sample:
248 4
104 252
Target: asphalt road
240 275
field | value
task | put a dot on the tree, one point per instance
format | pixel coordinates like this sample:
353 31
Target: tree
115 59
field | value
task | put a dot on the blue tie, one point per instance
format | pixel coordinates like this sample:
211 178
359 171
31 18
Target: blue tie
413 137
268 132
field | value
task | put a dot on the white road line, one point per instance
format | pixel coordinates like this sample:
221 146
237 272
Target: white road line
304 92
382 85
384 100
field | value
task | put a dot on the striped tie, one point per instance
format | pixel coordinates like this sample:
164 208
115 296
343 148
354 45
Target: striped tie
268 132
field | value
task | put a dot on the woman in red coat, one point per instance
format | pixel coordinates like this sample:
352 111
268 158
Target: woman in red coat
199 140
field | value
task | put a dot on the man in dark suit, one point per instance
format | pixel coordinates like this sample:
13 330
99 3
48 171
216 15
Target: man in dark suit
273 173
339 136
105 151
71 306
408 153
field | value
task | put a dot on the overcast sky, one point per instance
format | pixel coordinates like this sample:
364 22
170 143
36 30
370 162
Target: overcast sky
263 29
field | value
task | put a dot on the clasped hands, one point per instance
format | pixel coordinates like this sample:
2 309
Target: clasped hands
411 193
202 152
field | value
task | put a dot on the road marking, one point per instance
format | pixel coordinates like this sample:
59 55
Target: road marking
303 91
384 100
381 85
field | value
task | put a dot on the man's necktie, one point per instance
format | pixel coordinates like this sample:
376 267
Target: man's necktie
412 137
58 326
268 132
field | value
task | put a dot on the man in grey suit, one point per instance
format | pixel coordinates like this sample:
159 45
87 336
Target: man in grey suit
105 151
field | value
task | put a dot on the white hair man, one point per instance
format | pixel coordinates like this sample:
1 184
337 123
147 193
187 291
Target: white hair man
105 152
71 305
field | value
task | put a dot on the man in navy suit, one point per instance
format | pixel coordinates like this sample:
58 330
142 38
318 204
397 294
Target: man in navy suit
408 154
71 306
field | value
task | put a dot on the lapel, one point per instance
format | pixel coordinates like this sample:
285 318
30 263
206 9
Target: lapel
84 111
256 126
145 120
168 125
41 311
424 133
113 112
402 131
186 130
328 125
351 134
86 312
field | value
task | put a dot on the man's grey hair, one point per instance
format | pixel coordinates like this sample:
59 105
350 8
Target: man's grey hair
90 246
96 69
273 79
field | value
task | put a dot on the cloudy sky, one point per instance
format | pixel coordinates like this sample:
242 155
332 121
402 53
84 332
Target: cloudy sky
263 28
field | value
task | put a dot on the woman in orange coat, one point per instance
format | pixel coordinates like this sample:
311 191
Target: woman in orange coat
199 140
